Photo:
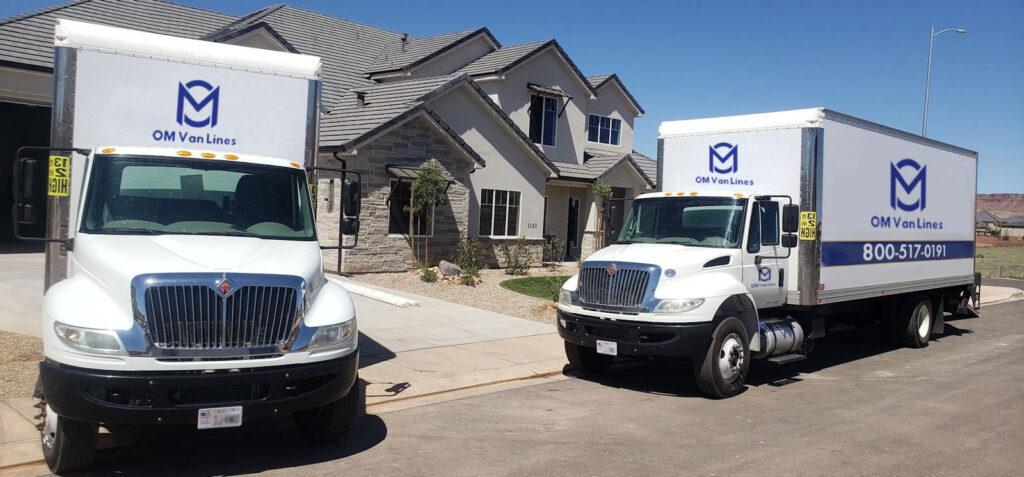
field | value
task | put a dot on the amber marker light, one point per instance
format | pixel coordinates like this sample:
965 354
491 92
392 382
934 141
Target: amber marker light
295 165
108 150
231 157
184 153
208 155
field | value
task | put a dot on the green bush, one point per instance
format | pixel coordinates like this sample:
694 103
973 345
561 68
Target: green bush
515 256
468 280
428 275
554 250
470 255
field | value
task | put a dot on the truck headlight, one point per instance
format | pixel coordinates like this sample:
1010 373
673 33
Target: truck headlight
88 339
673 305
332 335
566 297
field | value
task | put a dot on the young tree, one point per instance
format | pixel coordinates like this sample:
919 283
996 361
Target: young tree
429 190
602 195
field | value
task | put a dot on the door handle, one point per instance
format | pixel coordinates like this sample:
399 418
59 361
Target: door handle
782 273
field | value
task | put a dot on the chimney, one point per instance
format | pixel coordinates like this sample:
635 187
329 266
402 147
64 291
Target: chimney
360 98
405 41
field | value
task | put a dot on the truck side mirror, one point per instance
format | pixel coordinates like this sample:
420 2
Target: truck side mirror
790 218
789 240
350 226
352 199
24 190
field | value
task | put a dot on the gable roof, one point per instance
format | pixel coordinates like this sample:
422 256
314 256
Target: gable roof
26 41
599 81
420 50
986 216
502 60
646 165
599 164
386 105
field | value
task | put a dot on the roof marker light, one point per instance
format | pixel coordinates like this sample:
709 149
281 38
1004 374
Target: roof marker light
208 155
184 153
668 194
108 150
231 157
680 193
738 195
693 193
295 165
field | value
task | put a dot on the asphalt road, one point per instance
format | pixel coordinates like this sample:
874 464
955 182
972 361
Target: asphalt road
855 407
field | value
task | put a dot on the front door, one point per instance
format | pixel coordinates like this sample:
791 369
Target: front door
572 235
764 275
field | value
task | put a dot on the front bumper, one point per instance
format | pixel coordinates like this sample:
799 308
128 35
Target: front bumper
637 338
175 397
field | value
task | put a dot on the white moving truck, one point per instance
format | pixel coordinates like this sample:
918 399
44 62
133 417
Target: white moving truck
770 229
184 281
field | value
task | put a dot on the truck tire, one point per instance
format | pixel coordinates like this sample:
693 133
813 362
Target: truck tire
721 372
67 444
586 359
915 321
329 422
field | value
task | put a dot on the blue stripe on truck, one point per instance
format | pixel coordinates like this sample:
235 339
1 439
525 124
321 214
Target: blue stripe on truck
837 254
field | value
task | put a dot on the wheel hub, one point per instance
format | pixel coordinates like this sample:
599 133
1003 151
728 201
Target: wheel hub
924 321
49 430
730 358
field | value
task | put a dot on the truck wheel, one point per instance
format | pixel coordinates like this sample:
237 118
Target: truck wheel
915 322
329 422
586 359
67 444
723 369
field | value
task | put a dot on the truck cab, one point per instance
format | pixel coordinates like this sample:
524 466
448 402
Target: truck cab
684 265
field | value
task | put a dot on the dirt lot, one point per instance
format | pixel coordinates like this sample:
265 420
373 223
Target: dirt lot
487 295
20 364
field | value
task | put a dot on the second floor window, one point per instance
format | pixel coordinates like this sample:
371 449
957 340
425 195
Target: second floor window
604 130
543 118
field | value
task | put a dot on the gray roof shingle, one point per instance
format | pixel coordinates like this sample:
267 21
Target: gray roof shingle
598 164
419 50
503 59
27 40
598 81
986 216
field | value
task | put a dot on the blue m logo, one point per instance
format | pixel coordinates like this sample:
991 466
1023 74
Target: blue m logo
212 99
764 274
896 178
715 158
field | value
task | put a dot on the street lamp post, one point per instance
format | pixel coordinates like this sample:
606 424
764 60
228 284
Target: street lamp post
928 78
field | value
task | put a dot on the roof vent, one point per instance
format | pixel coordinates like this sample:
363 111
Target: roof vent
360 98
405 41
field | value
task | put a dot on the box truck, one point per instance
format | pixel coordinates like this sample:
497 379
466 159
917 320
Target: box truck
184 279
770 230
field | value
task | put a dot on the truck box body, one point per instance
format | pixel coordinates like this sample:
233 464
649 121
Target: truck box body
882 211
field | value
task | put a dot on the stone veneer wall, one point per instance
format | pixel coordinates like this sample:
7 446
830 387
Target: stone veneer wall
492 251
589 244
409 145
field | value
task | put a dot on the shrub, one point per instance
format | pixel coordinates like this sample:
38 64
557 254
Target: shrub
516 256
470 255
428 275
1006 238
467 279
554 249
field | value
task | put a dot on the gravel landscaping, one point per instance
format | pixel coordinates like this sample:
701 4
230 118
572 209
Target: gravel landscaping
488 295
20 364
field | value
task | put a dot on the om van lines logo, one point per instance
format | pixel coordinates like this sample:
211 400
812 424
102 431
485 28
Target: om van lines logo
908 192
212 99
198 106
724 158
897 178
715 157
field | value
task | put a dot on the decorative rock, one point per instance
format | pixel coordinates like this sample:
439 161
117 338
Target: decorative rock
449 269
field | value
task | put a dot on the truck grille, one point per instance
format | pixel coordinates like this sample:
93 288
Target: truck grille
199 317
622 291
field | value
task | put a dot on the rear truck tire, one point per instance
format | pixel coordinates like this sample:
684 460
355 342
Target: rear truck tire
915 321
586 359
329 422
67 444
722 371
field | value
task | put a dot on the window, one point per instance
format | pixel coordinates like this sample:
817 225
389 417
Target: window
499 213
543 119
398 216
604 130
694 221
764 226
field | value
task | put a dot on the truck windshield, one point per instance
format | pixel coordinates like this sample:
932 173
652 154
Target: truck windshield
698 221
143 195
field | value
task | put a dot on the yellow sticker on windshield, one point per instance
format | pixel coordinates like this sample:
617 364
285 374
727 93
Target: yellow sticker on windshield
60 176
808 225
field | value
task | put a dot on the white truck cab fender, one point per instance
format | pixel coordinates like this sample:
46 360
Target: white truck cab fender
724 294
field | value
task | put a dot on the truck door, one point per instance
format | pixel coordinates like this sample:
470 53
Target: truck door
764 274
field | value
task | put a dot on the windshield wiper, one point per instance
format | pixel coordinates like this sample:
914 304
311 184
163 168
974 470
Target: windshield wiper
129 231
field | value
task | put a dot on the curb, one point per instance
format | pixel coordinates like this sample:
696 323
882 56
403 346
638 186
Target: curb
375 294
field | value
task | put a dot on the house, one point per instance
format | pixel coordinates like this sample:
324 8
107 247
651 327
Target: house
986 223
1013 227
519 131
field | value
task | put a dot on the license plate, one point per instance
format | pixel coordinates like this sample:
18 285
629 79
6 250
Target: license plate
607 347
217 417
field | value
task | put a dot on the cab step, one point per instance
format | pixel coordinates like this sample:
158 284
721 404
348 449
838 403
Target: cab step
787 358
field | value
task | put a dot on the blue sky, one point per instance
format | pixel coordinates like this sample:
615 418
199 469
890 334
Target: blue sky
700 59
